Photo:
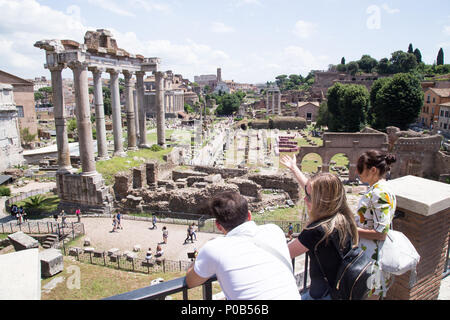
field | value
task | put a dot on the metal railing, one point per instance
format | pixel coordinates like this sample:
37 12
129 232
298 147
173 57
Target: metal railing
126 263
68 229
162 290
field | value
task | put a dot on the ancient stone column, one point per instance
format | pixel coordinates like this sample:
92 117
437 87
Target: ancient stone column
136 114
62 141
102 146
142 113
267 102
279 102
83 114
116 114
273 102
131 125
160 115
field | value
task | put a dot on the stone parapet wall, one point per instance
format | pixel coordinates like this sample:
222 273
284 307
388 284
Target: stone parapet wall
224 172
284 182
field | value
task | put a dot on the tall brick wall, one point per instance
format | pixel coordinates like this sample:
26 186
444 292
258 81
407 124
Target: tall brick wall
430 236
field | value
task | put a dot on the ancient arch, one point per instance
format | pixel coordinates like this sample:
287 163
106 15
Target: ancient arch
350 144
301 165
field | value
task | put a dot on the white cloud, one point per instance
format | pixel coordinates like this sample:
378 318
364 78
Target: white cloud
390 10
304 29
219 27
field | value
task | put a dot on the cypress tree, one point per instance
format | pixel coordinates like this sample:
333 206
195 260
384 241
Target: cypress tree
410 48
343 60
418 55
440 57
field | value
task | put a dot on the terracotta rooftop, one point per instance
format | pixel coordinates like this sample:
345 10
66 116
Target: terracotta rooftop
443 93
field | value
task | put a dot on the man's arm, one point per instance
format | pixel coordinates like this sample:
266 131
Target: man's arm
193 279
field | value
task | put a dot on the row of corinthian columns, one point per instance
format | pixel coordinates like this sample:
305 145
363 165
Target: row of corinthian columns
80 76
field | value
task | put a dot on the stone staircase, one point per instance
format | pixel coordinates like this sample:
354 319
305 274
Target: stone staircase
50 241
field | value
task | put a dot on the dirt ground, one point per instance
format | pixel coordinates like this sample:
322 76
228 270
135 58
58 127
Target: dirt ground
98 230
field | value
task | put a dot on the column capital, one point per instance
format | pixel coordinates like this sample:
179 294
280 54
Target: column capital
113 71
96 70
57 67
77 65
140 73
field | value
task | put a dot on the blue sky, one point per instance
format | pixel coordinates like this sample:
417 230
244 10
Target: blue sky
251 40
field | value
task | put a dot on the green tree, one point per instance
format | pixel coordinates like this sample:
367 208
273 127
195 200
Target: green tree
229 104
347 107
323 115
107 101
376 86
71 125
418 55
367 63
47 90
440 57
353 67
343 61
384 66
38 96
188 108
410 48
341 68
397 102
403 62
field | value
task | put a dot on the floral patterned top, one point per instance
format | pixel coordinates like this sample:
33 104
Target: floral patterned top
376 208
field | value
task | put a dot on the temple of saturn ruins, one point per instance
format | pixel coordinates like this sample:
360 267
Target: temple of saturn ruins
98 54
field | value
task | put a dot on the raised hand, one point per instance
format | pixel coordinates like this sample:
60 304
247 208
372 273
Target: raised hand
289 162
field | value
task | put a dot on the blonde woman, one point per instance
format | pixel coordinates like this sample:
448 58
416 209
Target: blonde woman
331 227
376 210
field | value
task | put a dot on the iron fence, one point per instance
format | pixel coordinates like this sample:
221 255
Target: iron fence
35 227
123 262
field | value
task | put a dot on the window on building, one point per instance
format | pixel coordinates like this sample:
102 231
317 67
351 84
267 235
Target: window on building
20 111
308 116
446 114
434 100
442 113
428 99
445 126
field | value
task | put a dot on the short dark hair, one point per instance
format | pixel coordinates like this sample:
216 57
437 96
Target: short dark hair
229 208
374 158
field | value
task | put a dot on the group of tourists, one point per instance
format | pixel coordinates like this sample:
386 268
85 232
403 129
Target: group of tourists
19 213
191 235
255 262
116 222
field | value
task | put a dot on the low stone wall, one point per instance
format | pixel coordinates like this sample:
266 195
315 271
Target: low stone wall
224 172
284 182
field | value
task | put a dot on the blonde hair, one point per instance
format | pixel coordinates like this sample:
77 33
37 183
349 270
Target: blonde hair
328 200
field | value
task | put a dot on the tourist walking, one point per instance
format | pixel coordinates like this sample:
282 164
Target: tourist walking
331 225
189 235
119 219
194 235
24 215
154 222
250 261
165 233
290 230
114 223
78 214
376 210
63 218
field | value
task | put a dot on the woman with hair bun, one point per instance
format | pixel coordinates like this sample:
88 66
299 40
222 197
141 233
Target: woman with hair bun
376 210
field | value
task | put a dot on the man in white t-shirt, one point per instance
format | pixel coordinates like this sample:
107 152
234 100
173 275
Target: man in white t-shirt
250 262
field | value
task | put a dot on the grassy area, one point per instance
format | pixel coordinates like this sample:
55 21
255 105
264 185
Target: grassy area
109 168
97 282
288 214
